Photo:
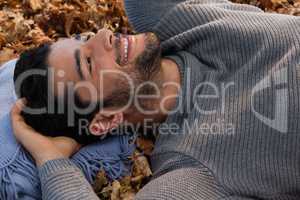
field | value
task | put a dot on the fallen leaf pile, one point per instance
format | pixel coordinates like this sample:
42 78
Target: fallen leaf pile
28 23
290 7
127 187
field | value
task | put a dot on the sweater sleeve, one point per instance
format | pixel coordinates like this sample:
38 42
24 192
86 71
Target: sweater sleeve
144 14
240 198
185 183
62 180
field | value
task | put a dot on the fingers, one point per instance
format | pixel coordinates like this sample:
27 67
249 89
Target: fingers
40 147
26 135
18 106
19 126
17 109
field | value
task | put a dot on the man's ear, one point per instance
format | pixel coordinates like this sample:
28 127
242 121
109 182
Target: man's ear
102 124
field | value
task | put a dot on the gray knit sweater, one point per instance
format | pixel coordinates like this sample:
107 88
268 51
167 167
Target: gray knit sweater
234 133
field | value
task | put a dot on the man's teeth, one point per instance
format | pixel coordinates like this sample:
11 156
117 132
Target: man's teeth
126 49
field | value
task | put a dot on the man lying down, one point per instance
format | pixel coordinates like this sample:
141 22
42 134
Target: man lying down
19 178
223 96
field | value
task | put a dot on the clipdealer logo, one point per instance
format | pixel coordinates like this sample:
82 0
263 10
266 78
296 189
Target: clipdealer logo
278 81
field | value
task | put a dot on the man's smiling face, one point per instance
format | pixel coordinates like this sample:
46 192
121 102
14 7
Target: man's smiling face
104 63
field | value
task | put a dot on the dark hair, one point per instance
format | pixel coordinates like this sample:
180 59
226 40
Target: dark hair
35 90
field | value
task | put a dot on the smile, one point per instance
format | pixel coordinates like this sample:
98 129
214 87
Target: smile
124 48
126 45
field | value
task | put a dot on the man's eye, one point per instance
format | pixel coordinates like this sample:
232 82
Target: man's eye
89 62
88 37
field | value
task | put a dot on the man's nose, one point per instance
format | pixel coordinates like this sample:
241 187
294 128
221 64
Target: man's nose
107 36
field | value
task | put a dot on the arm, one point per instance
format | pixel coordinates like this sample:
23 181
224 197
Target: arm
185 183
240 198
193 183
61 179
144 14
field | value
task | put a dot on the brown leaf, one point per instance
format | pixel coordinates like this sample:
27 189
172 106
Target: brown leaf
69 19
115 195
37 36
268 4
35 4
106 192
141 165
100 181
146 145
2 40
279 2
6 55
128 196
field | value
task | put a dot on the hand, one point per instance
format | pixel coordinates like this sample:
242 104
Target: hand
41 148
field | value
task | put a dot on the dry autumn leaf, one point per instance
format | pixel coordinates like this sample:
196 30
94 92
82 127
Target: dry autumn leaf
100 182
141 165
115 194
146 145
7 54
35 4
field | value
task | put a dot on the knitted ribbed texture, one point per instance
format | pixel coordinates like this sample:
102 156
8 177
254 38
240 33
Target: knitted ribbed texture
144 15
243 49
62 180
237 46
183 184
254 57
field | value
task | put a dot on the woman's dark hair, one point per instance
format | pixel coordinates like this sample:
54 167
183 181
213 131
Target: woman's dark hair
35 90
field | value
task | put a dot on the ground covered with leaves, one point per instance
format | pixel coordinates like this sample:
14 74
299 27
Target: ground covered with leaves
28 23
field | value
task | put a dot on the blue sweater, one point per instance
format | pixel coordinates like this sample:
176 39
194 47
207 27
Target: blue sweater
18 174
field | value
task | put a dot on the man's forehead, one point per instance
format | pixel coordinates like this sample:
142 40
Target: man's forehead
65 43
61 60
63 52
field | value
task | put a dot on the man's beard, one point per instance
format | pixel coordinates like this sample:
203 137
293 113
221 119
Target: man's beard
148 63
146 66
